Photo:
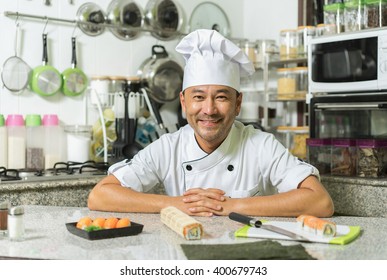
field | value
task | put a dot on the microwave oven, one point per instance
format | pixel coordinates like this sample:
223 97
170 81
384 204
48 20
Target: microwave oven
348 62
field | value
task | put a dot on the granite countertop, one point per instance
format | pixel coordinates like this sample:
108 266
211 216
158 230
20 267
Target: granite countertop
47 238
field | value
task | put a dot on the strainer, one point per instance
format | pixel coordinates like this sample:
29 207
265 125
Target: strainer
16 71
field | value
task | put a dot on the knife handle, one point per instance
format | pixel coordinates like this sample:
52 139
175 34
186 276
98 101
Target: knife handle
244 219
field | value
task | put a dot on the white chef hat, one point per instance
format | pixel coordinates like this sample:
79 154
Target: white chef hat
211 59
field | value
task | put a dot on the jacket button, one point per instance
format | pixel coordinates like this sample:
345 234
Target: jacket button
188 167
230 168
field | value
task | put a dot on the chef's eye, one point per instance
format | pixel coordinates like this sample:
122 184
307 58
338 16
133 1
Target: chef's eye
221 97
198 97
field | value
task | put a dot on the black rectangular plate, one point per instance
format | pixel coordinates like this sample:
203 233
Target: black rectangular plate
133 229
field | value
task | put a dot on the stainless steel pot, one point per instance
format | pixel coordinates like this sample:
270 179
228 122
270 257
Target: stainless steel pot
164 17
161 76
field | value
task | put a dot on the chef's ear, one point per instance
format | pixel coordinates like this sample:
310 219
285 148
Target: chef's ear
239 97
182 100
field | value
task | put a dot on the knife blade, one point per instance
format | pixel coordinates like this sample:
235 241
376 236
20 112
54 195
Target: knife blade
258 224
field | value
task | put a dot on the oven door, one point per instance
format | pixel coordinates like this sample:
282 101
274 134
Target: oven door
349 116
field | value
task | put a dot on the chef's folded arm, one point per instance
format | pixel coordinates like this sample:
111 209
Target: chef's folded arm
214 165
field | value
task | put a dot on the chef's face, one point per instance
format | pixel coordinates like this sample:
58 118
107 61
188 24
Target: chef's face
211 110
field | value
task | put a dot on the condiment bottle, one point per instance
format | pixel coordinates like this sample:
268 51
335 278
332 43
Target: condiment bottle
3 143
34 143
16 142
53 141
16 223
4 206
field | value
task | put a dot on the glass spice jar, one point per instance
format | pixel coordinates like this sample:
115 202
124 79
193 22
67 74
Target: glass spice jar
371 158
334 16
376 13
288 44
4 206
286 82
318 152
343 157
303 33
354 15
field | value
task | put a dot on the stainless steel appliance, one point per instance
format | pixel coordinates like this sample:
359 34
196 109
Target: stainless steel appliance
60 171
356 116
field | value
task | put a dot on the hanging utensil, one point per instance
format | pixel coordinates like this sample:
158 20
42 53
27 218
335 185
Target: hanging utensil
16 71
74 79
161 76
165 18
127 17
90 16
130 126
45 79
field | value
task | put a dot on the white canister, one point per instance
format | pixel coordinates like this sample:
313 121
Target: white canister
100 87
78 142
16 223
3 143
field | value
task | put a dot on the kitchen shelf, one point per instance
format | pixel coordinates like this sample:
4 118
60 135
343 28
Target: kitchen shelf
77 23
271 94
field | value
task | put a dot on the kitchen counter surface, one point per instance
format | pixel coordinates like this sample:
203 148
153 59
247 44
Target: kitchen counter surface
47 238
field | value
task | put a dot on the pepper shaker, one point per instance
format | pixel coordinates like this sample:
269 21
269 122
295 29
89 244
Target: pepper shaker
4 206
16 223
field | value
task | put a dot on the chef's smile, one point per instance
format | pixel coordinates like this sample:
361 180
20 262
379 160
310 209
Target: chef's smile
210 110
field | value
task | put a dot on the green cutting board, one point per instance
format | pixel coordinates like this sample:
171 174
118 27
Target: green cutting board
344 234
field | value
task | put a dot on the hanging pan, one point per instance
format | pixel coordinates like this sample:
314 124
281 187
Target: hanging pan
74 79
45 79
16 71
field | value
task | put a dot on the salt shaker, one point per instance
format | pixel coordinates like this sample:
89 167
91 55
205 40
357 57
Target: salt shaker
16 223
3 217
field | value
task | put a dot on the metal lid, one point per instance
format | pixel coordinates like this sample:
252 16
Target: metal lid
4 205
17 210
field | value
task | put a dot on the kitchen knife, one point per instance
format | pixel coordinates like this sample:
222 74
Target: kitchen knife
258 224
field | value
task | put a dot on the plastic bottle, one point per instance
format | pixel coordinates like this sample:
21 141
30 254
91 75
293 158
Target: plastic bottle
3 143
53 141
34 143
16 141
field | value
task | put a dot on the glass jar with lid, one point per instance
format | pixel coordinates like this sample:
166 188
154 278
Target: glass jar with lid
268 49
303 33
375 13
294 139
354 15
286 82
334 15
288 44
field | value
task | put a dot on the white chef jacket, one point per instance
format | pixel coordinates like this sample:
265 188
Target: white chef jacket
249 162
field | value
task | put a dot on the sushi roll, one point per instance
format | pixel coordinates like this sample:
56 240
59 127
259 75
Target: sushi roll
316 226
181 223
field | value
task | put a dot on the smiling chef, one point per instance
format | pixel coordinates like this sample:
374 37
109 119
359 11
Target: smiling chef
214 165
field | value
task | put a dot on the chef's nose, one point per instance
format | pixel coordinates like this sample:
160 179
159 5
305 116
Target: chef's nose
209 106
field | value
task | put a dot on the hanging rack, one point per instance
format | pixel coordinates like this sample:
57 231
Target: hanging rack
78 22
